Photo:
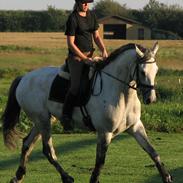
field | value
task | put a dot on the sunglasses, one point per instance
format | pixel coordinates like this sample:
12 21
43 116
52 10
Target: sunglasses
85 4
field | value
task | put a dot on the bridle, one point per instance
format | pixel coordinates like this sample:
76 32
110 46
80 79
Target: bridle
139 84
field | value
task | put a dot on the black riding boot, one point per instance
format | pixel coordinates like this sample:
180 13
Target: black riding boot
67 112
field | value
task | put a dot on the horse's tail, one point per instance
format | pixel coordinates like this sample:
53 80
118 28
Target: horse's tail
10 116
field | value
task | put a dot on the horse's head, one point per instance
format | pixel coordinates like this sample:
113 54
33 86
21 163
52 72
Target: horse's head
146 72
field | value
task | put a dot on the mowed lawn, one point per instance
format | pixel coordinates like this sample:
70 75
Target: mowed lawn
126 162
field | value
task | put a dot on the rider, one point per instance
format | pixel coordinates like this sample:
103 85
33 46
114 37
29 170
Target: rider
81 27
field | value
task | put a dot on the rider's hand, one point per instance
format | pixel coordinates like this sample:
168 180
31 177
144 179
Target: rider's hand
104 54
89 61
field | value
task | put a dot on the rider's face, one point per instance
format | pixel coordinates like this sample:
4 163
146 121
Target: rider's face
84 7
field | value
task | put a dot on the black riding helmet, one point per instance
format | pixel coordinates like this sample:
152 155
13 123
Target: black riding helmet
84 1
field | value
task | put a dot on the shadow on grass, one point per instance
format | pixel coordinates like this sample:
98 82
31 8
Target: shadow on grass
177 175
64 148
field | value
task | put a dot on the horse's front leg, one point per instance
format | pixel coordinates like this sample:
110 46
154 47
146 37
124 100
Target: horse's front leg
104 140
138 131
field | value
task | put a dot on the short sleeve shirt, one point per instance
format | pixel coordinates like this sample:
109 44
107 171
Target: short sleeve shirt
82 28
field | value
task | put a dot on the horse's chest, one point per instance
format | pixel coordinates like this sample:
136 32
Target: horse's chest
133 115
124 116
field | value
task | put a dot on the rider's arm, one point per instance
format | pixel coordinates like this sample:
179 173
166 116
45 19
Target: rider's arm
100 44
72 46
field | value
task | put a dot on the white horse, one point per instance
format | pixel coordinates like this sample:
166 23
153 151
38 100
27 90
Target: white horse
115 110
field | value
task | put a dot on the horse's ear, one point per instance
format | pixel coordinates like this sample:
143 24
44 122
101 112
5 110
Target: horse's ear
155 48
139 52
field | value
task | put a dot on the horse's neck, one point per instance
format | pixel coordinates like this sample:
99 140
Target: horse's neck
121 68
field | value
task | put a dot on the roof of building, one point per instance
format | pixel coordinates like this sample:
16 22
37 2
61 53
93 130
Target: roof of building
130 21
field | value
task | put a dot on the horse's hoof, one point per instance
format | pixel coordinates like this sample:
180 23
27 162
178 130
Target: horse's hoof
68 179
168 179
94 181
14 180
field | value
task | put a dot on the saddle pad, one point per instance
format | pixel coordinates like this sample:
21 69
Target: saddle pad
59 89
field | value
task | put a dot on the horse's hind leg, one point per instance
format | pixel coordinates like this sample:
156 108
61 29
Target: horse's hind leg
28 144
139 133
49 152
104 140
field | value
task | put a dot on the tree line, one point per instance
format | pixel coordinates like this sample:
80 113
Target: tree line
155 15
33 21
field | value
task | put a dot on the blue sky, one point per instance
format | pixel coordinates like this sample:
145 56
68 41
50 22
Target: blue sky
68 4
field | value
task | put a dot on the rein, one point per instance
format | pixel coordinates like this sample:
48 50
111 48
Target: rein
99 72
121 81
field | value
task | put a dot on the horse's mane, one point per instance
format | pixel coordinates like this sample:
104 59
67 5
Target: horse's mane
120 50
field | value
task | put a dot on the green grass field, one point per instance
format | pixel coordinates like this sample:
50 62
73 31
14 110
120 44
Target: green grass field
126 162
23 52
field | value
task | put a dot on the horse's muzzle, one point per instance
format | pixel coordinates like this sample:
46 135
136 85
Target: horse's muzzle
149 97
149 101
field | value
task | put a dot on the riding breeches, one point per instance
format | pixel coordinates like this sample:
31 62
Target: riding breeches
75 68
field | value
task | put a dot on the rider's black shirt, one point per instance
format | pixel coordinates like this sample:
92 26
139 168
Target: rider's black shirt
82 28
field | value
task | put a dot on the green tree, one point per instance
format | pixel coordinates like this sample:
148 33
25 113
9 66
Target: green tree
161 16
31 21
57 19
110 7
151 13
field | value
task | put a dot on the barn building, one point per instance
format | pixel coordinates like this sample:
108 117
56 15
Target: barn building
117 27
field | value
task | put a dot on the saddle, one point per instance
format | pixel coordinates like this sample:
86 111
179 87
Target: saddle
61 85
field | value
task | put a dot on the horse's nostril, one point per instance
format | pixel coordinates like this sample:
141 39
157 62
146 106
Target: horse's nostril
150 100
